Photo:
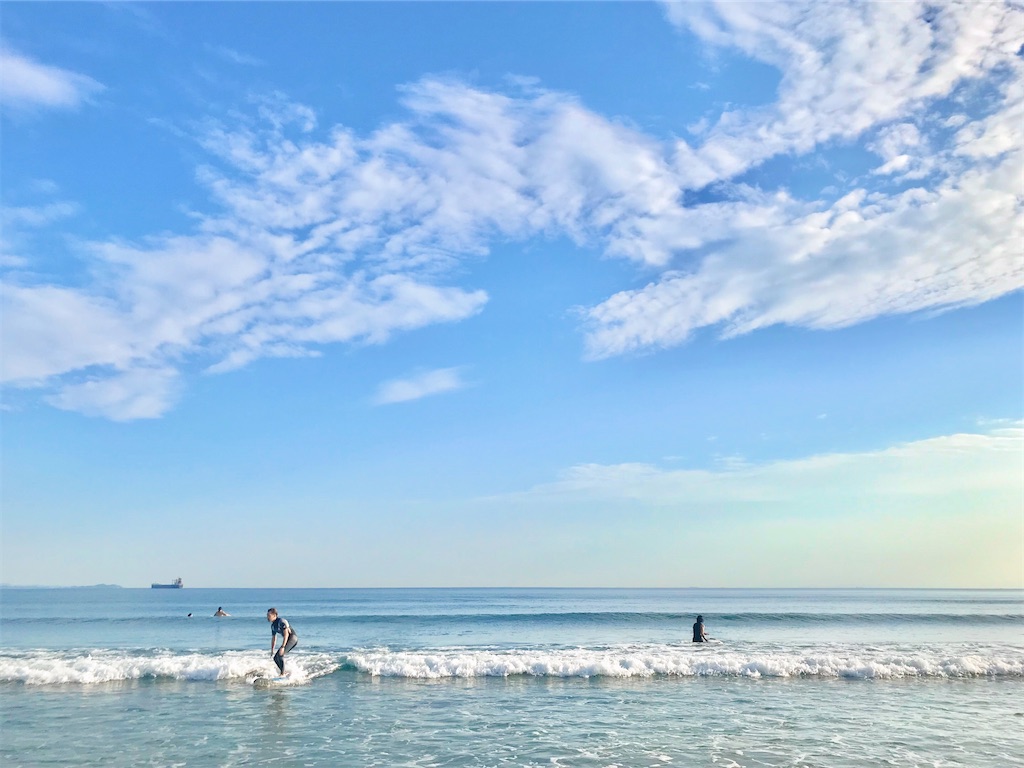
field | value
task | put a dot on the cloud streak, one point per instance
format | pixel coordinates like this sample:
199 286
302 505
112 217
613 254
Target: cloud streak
914 473
27 84
325 236
839 75
421 385
952 239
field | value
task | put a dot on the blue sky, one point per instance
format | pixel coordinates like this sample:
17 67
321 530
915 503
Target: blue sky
500 294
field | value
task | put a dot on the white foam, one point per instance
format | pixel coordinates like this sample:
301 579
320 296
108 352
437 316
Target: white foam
654 661
645 661
104 666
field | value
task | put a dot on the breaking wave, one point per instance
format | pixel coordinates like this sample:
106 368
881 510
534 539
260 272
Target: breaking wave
106 666
668 661
89 667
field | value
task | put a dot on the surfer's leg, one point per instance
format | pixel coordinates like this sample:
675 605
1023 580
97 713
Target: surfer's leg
285 648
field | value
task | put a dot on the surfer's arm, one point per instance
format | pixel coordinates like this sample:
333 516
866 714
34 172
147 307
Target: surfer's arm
273 642
284 638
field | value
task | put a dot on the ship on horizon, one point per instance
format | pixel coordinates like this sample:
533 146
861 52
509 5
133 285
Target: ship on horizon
176 584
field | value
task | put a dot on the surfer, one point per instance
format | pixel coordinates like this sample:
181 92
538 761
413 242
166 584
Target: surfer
698 631
221 612
280 626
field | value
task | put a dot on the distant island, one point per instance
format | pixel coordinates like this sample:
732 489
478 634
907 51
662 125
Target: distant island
51 586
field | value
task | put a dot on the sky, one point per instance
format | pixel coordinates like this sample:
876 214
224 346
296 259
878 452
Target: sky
585 294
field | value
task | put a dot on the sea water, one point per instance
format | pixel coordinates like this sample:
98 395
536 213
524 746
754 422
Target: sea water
513 677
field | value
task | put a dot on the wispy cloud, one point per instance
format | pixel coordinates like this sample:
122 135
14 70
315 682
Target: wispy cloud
909 473
19 224
941 511
866 256
951 240
28 84
134 394
421 385
345 240
839 77
319 237
38 215
230 54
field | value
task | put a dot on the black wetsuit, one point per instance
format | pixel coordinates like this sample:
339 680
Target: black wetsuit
698 631
277 627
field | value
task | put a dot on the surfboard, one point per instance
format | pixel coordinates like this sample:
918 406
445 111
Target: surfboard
268 682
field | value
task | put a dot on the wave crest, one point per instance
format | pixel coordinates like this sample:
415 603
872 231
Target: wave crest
661 662
106 666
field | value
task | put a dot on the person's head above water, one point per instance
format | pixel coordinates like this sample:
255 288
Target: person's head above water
700 618
271 614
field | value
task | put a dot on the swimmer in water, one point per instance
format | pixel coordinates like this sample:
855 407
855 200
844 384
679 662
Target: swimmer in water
699 636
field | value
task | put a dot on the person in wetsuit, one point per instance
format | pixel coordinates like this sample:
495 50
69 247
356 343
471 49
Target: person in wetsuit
280 626
698 631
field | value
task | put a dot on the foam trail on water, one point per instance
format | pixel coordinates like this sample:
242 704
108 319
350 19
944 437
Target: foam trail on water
668 661
104 666
87 667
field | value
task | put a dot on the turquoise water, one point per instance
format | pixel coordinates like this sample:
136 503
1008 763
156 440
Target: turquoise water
514 678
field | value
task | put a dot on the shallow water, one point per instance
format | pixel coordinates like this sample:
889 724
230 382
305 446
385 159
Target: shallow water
514 677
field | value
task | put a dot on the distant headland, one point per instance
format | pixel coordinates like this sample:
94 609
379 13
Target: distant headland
51 586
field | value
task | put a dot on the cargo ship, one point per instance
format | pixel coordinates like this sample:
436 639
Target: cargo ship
176 584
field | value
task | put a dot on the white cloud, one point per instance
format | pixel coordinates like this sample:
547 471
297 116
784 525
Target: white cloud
25 84
49 330
37 215
342 240
910 474
136 394
904 150
183 297
9 260
44 186
421 385
956 245
846 66
19 223
235 57
953 241
325 237
938 512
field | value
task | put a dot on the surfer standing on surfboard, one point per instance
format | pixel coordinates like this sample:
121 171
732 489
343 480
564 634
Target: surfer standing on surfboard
698 631
280 626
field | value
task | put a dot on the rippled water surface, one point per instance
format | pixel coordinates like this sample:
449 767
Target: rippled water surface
514 677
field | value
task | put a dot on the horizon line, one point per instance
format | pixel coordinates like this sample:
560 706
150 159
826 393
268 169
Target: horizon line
621 588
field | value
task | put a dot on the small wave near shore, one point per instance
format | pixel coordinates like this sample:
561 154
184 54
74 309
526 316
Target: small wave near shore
91 667
668 661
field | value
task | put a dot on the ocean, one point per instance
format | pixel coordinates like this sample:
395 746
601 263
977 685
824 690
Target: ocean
513 677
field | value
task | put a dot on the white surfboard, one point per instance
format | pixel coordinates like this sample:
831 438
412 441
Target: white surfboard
268 682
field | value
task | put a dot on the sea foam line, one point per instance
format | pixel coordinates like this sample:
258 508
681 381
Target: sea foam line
41 667
667 661
105 666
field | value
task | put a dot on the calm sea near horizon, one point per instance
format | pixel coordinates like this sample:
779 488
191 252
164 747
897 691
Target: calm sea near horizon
513 677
